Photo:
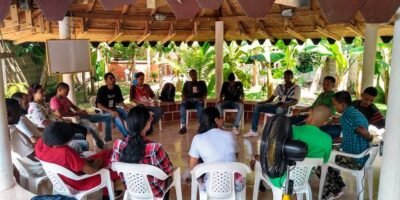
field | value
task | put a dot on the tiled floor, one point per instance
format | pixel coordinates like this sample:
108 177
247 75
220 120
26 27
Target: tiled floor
177 147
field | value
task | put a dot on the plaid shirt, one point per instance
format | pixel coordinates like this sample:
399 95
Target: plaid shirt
154 155
353 142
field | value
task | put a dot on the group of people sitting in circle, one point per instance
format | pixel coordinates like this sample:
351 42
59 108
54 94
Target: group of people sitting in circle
42 131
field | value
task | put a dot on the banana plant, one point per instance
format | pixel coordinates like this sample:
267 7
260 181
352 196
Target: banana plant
382 68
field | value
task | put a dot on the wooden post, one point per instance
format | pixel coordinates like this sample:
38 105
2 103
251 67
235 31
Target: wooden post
219 56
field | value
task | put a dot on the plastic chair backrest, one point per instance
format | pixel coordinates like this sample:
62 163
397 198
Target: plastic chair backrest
135 177
92 101
301 173
17 163
221 177
53 171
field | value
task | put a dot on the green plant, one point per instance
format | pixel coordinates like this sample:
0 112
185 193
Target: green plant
307 61
16 87
154 76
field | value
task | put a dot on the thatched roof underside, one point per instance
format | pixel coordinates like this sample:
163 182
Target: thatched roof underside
137 23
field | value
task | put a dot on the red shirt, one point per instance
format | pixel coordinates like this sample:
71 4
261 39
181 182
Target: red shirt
154 155
68 158
61 104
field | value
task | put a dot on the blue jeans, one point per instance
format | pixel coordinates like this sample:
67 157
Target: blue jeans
120 121
107 119
333 130
158 113
262 108
229 104
199 105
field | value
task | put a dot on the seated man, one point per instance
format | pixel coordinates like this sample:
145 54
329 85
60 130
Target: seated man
319 143
288 95
21 144
355 140
108 97
232 96
194 94
25 125
142 94
53 148
324 98
367 107
63 107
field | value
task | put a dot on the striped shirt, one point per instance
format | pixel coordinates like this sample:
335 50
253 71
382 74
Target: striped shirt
287 94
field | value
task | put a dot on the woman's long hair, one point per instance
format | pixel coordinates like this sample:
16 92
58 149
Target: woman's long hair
32 91
207 120
137 120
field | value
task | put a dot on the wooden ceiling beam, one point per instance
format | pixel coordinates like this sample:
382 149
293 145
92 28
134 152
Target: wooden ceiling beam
26 38
28 18
355 29
14 14
118 33
91 4
41 24
325 32
194 32
262 31
295 34
146 33
230 7
171 34
243 32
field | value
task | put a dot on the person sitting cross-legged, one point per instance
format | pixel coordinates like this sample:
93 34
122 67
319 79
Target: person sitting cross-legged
63 107
194 94
232 96
288 95
108 97
142 94
19 142
355 140
53 148
137 148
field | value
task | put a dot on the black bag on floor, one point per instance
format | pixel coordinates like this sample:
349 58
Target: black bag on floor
168 93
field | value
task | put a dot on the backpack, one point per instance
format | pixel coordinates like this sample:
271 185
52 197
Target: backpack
168 93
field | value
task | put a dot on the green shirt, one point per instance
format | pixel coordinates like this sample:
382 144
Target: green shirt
326 99
319 146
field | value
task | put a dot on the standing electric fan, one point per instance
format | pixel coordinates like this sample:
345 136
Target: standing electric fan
278 151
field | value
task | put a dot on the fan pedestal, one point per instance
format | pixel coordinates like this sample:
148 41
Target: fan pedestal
289 183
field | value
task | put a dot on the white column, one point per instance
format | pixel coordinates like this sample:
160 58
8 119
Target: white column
371 31
219 56
389 183
6 172
64 33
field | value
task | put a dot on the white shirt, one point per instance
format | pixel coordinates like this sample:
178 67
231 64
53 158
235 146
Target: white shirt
27 127
20 144
288 95
215 145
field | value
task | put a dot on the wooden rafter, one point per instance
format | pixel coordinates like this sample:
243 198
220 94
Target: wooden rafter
262 31
194 32
91 4
355 29
291 31
170 35
28 18
14 14
118 32
325 32
243 32
146 33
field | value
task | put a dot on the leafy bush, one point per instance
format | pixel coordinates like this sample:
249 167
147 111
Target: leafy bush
16 87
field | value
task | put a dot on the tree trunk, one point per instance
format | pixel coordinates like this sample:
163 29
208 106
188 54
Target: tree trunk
133 67
84 86
386 80
316 79
44 76
269 80
255 74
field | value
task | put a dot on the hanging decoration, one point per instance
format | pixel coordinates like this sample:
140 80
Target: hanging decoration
185 9
340 11
4 8
379 11
210 4
256 8
54 10
111 4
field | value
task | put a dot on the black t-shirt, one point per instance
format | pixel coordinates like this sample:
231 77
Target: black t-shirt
194 90
109 98
372 114
232 92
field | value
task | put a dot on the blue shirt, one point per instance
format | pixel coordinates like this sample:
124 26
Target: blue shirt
352 142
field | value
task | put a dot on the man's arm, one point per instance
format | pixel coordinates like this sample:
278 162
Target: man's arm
363 132
221 94
205 91
184 91
290 103
269 100
91 167
193 162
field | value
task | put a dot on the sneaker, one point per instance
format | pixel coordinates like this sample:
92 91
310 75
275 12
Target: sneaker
235 131
183 130
251 133
332 196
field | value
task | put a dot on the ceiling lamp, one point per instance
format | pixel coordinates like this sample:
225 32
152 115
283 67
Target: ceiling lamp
160 17
287 13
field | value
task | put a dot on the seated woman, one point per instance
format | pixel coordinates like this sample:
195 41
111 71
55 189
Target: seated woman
212 144
136 148
41 116
53 148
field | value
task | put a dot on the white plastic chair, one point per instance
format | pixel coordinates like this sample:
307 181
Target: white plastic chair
367 170
138 187
221 180
59 187
25 175
300 176
235 111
